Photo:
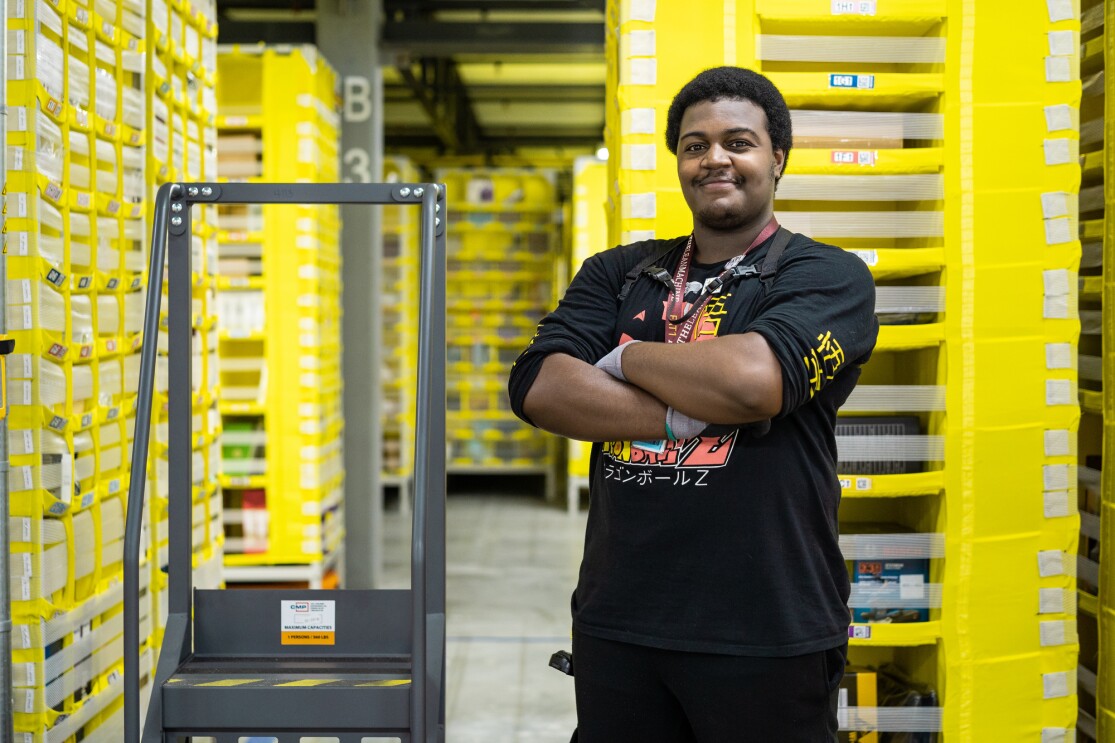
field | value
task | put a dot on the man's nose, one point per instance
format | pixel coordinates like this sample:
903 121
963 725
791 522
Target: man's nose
716 156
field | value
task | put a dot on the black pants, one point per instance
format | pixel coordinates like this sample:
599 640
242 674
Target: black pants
636 694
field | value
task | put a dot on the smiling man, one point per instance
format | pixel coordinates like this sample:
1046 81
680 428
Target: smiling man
711 604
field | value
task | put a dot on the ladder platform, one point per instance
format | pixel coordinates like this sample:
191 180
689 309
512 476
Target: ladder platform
320 695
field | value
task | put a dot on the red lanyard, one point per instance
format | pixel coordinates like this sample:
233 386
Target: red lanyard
681 332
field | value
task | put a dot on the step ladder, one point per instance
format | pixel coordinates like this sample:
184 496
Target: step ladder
233 664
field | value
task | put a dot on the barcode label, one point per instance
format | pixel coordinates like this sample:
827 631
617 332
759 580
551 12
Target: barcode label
853 7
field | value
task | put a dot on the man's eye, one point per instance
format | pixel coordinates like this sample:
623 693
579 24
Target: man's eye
741 144
696 147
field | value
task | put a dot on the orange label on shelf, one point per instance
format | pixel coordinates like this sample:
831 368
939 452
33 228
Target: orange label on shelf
309 638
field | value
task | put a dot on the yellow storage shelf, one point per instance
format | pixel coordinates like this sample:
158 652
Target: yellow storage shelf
893 486
911 17
914 634
891 91
1091 401
910 337
808 161
1091 288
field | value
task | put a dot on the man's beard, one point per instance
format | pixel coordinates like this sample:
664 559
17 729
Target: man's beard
729 219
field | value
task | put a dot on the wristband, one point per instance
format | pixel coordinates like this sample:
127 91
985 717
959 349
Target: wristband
680 426
612 362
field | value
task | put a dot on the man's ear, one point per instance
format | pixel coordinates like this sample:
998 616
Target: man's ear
779 162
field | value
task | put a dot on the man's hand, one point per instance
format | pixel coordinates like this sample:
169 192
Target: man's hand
612 362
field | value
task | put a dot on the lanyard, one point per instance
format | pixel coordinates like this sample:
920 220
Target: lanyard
680 320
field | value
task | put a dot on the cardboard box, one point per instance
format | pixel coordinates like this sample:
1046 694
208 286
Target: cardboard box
860 688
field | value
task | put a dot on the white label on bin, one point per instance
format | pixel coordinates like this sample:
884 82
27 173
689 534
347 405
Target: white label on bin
308 622
853 7
1062 43
1054 204
1057 151
639 10
1055 281
638 121
25 633
26 530
1052 633
1058 443
639 71
911 587
640 157
859 632
25 589
1058 356
1056 504
1051 563
870 257
1051 600
28 437
1058 118
640 206
845 484
1058 392
1057 307
1058 231
1060 10
1055 476
864 483
1055 685
640 44
28 568
1058 69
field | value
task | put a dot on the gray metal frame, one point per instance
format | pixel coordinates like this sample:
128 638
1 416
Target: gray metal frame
171 242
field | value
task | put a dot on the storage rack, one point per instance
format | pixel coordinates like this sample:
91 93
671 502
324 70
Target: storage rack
503 244
1095 368
957 184
589 229
279 292
399 368
77 179
181 141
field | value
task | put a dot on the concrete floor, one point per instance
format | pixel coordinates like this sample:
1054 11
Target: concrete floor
512 564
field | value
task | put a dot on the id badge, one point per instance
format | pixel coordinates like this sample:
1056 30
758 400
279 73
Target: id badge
658 447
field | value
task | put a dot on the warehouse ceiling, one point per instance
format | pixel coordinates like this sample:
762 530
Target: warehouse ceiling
481 78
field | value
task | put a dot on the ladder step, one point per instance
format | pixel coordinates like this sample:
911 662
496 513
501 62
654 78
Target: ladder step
309 695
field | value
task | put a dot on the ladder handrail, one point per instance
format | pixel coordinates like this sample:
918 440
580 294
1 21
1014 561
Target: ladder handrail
428 528
133 525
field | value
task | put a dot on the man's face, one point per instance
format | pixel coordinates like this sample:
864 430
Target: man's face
726 165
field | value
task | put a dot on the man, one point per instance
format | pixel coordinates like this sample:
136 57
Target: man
711 604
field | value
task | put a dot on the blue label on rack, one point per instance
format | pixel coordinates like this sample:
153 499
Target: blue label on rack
857 82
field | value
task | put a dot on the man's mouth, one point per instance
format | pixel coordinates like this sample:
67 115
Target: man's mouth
718 181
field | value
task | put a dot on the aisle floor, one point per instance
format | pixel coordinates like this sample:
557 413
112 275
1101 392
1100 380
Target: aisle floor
512 563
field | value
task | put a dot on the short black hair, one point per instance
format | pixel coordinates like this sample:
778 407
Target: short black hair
738 84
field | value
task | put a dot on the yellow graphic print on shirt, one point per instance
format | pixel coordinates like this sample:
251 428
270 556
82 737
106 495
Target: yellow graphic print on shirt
645 463
823 362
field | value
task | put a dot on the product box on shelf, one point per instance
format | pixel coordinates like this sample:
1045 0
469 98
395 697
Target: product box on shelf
858 688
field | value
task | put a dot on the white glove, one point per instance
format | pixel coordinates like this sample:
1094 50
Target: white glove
680 426
612 362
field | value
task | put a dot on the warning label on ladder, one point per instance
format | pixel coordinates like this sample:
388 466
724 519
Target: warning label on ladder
309 622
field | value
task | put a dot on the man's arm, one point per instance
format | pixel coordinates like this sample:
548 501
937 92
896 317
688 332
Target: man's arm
734 379
579 401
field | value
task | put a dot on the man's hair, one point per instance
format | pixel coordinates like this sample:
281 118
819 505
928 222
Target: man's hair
736 84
